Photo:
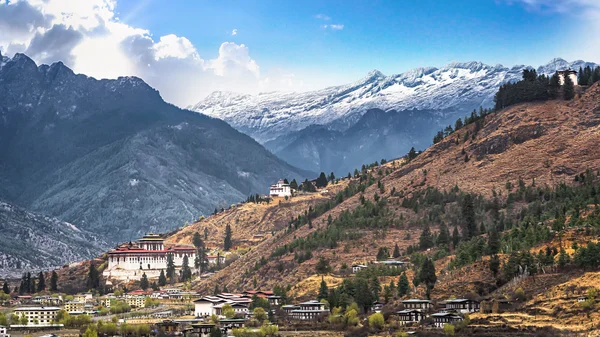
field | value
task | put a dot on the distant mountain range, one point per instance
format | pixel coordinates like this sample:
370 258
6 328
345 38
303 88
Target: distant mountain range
326 130
113 159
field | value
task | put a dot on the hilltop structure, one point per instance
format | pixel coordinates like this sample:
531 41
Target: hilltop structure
281 189
148 255
572 74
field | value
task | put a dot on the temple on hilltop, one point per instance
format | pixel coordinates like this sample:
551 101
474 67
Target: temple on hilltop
148 255
281 189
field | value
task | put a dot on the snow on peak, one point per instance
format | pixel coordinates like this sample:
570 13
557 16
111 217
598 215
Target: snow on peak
456 86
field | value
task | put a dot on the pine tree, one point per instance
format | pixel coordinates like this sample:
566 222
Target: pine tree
412 154
403 285
375 287
144 282
197 241
294 184
396 253
427 275
444 236
205 233
5 287
468 217
494 264
554 86
321 180
216 332
227 244
331 177
217 291
426 239
455 237
93 281
494 241
563 258
54 281
170 268
162 279
323 290
568 88
186 272
41 282
225 290
363 294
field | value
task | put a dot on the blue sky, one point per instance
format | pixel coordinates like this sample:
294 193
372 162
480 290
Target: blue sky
392 36
189 48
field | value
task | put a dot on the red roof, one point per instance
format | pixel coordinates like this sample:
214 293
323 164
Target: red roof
176 249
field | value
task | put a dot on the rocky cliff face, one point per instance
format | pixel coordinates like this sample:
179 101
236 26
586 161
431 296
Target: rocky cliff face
111 157
34 242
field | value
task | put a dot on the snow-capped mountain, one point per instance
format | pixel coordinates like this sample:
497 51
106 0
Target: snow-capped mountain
453 89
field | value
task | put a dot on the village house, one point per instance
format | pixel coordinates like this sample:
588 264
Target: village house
358 267
310 310
463 305
287 309
215 259
280 189
41 316
136 301
148 255
410 316
377 307
424 305
442 318
73 306
393 264
274 300
199 330
571 73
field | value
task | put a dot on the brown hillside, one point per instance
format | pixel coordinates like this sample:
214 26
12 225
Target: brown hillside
547 141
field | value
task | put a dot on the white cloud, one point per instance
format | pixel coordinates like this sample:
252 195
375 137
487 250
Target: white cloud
322 17
88 37
333 26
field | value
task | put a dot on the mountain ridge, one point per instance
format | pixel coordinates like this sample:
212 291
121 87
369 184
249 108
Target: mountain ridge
111 157
267 116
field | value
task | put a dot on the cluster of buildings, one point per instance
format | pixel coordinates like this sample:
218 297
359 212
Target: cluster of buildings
387 263
213 305
305 311
131 260
451 311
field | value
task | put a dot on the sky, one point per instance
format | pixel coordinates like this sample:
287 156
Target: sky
188 49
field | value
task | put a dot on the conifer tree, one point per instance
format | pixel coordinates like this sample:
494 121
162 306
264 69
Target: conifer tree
568 88
554 86
227 244
443 238
455 237
5 287
93 281
186 272
170 268
217 291
41 282
493 241
162 279
144 282
321 180
205 233
468 217
294 184
427 275
375 287
403 285
331 177
426 239
396 253
54 281
494 264
323 290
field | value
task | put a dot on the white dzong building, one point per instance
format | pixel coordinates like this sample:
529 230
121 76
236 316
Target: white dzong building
147 256
281 189
571 73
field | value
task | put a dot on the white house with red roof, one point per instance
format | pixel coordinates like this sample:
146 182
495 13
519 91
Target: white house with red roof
146 256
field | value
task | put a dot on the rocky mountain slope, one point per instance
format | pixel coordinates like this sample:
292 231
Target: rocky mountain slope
111 157
36 242
544 143
445 94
